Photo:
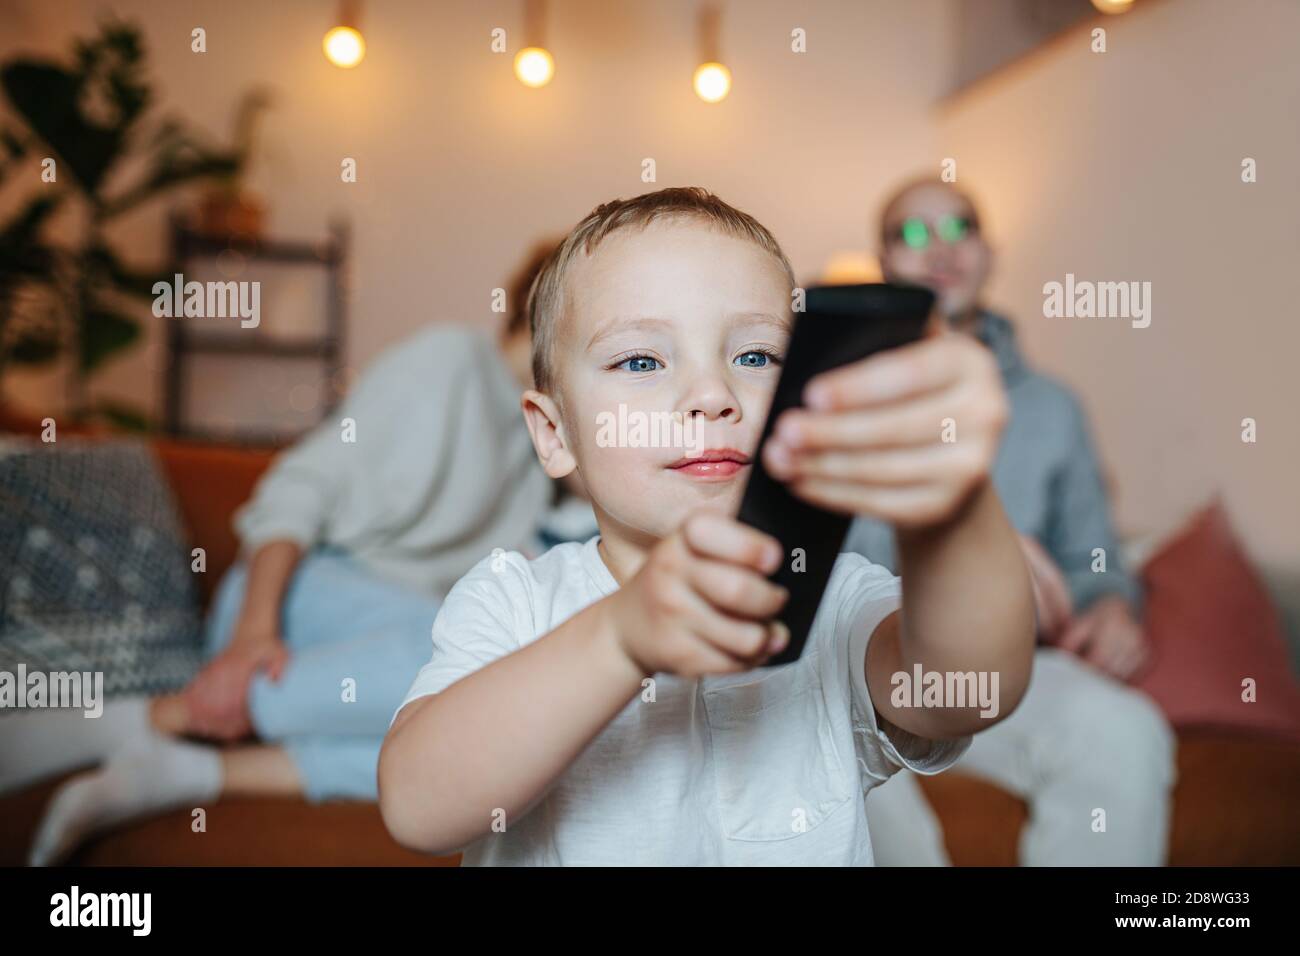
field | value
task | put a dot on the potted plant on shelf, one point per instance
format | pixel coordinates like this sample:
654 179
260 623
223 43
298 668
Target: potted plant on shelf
229 208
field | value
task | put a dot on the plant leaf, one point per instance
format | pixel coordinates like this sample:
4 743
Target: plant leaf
46 96
103 332
109 268
12 150
126 417
172 170
13 144
34 348
22 255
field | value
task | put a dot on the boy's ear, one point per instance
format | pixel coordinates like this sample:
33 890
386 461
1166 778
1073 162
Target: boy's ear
547 430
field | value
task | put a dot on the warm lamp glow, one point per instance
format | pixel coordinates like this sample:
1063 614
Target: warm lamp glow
712 82
1112 6
344 47
851 266
534 66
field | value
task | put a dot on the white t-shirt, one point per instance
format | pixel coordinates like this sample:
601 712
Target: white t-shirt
766 767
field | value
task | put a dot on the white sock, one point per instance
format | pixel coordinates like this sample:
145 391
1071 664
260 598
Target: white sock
161 775
44 743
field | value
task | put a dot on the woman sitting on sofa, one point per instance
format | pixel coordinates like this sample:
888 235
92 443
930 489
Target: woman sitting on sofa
349 542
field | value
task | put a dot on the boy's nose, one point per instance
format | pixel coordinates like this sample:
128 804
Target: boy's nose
711 398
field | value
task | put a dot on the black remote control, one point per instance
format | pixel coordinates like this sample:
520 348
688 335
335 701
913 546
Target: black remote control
840 325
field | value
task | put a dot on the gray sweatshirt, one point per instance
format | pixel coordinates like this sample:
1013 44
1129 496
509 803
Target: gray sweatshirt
1046 473
441 471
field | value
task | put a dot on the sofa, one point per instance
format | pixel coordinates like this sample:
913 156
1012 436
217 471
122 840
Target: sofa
1235 803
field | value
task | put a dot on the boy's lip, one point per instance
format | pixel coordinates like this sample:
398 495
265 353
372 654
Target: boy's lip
713 463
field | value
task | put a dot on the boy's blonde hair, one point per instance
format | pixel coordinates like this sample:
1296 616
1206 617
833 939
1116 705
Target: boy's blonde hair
546 297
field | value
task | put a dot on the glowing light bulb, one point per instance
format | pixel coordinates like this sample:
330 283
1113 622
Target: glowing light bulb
1112 6
344 47
534 66
712 82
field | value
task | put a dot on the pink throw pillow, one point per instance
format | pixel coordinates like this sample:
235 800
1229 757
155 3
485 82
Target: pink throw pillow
1212 625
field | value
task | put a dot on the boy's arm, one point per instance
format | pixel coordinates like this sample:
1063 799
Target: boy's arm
968 606
495 740
867 444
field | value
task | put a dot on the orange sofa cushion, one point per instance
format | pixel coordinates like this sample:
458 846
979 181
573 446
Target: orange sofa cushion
210 482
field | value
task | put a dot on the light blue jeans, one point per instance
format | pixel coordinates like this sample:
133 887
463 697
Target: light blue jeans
355 644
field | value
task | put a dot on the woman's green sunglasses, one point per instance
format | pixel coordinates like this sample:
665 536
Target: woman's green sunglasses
916 232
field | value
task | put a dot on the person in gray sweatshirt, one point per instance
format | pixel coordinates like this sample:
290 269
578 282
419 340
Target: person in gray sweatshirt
1092 757
348 545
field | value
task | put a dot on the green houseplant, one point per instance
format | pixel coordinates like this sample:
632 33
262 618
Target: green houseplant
72 297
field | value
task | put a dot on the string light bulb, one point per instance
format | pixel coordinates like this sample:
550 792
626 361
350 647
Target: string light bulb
1113 6
534 65
344 45
712 80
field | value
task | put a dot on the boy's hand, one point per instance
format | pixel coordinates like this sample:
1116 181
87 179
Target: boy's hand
701 603
872 439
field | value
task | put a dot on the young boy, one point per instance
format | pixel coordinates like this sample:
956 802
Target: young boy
601 705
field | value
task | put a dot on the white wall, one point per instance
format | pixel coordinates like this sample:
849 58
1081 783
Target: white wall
461 168
1126 166
1121 165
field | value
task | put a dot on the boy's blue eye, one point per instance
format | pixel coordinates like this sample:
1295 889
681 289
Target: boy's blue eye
753 359
638 363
